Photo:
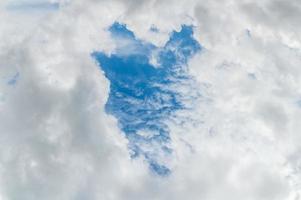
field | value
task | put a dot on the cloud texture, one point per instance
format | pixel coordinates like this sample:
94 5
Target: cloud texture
239 139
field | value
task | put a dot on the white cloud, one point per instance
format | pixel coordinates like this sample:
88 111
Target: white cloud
241 141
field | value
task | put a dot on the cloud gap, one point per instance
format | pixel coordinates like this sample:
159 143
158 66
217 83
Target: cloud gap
143 96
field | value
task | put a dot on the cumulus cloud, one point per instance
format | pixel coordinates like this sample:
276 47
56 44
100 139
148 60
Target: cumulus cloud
238 140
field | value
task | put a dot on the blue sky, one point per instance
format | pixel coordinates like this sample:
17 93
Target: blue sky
139 95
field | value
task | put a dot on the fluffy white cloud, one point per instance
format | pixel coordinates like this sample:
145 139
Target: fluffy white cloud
240 140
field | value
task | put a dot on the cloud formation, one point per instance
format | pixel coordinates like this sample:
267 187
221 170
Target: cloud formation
239 140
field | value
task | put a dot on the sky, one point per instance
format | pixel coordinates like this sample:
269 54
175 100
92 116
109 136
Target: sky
149 99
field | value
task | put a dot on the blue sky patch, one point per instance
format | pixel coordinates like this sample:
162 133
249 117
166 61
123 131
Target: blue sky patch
154 29
142 95
13 80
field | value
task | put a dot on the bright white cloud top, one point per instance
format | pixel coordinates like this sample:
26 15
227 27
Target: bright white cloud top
113 100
